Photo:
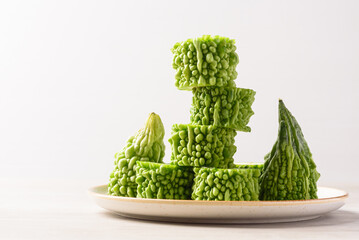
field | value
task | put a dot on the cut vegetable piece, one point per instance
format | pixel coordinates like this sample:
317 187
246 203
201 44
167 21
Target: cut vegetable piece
289 171
222 107
146 145
163 181
226 184
197 146
205 61
249 165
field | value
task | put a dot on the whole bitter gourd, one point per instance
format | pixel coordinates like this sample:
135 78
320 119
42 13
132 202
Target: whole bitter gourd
289 171
146 145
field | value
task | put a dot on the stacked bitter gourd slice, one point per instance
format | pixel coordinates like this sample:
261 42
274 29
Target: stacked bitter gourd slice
206 61
207 67
227 107
202 145
236 184
163 181
251 165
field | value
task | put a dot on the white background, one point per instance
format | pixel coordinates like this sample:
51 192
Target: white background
77 78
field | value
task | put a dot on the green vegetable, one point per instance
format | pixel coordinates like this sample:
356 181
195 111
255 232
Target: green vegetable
194 145
289 171
249 165
222 107
226 184
205 61
146 145
163 181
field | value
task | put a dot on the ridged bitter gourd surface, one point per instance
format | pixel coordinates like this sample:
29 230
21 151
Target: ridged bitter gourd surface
226 184
222 107
249 165
146 145
205 61
163 181
289 171
199 146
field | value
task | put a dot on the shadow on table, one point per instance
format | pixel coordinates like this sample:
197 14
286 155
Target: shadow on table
332 219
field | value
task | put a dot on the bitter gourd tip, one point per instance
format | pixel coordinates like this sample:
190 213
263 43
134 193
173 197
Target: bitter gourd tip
155 126
289 171
146 145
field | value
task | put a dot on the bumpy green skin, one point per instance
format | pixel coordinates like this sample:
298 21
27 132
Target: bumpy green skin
226 184
222 107
199 146
289 171
205 61
163 181
249 165
146 145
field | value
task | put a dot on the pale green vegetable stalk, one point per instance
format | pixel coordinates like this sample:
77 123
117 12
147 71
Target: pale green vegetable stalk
146 145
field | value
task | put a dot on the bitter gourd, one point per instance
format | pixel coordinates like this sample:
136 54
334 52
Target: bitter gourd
289 171
226 184
249 165
146 145
163 181
205 61
210 146
222 107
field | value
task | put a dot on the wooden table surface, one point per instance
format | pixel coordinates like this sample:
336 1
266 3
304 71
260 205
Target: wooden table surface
55 209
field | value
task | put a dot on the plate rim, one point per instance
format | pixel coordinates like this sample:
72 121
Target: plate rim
344 196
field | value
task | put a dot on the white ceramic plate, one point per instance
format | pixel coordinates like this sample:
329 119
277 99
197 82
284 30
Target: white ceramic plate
330 199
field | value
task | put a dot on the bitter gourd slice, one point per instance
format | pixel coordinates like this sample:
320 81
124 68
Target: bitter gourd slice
194 145
163 181
249 165
222 107
205 61
226 184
